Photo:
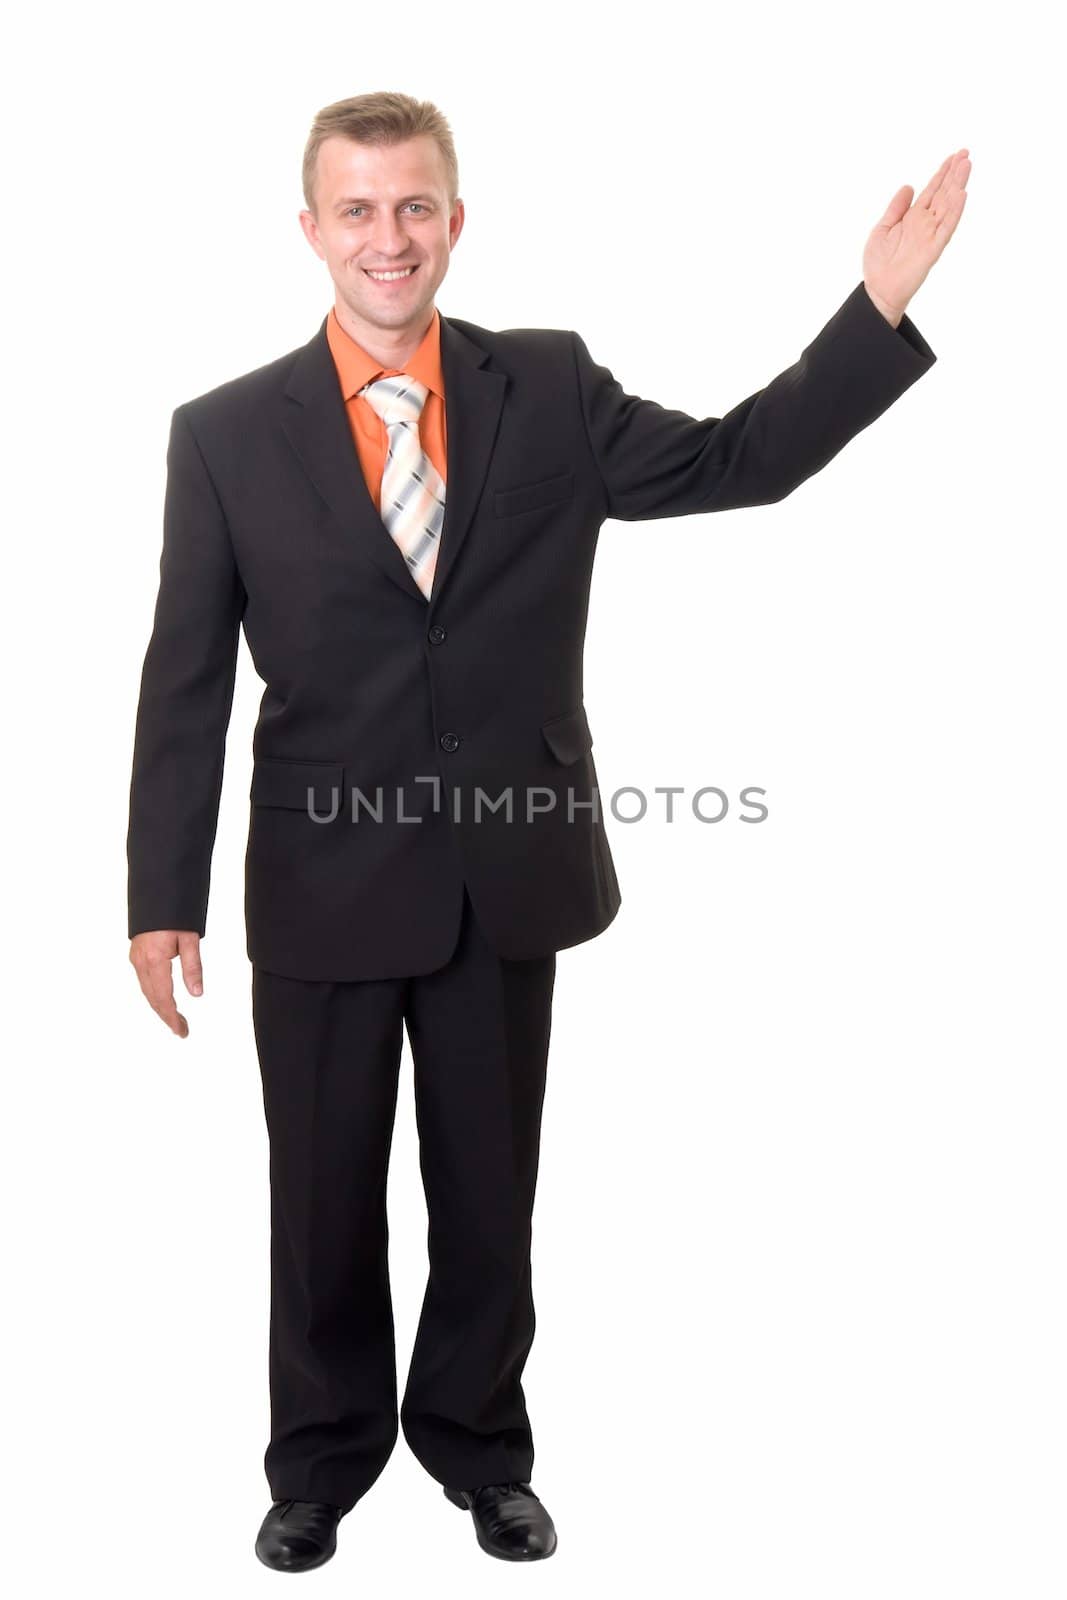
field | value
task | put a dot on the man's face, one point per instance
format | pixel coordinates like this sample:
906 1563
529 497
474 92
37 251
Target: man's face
383 207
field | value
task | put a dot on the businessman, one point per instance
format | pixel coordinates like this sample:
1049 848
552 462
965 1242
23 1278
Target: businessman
401 515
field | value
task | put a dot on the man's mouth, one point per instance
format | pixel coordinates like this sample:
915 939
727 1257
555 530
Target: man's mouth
395 275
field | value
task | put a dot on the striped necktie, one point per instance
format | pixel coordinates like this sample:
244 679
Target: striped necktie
413 491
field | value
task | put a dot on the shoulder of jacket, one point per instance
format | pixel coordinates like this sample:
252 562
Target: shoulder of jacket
506 340
246 390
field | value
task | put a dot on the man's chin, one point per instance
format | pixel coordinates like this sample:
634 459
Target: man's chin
388 316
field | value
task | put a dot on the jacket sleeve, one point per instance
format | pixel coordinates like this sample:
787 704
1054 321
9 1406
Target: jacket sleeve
187 685
659 463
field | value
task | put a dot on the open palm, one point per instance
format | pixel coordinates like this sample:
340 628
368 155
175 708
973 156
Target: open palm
910 236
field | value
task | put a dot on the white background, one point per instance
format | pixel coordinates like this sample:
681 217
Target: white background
799 1236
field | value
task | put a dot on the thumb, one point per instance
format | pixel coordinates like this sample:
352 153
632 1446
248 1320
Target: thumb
897 206
189 953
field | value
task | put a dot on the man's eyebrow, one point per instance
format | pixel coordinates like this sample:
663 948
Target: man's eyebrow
360 200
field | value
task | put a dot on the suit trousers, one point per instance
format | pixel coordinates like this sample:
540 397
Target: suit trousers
329 1056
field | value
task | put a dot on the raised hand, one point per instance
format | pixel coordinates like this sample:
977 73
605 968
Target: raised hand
152 955
911 235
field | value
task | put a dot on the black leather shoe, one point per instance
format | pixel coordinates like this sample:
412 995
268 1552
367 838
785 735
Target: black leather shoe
509 1520
298 1534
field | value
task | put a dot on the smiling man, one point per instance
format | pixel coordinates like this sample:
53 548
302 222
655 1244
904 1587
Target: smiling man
401 516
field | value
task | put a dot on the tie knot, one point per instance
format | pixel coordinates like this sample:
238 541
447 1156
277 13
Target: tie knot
396 399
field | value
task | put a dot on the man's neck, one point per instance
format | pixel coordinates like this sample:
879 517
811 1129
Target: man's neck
391 347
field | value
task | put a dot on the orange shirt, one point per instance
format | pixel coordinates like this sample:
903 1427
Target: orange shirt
355 368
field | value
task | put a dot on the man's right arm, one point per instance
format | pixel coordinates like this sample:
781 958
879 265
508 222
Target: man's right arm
187 684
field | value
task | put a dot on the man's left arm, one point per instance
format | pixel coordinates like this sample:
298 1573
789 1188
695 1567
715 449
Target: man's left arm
654 462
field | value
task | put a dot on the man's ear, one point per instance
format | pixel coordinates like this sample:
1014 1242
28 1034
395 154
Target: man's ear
311 233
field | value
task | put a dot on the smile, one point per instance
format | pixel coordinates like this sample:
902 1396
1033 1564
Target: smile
389 277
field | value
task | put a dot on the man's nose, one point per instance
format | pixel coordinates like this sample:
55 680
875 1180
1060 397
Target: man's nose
390 239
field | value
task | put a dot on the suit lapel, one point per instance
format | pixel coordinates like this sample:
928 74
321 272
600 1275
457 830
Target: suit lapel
316 426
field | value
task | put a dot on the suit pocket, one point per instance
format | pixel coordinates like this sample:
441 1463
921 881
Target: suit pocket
532 496
568 737
297 785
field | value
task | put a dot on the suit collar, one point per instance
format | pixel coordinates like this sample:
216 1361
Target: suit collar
316 425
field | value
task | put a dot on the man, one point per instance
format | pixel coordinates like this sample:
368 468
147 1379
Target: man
402 516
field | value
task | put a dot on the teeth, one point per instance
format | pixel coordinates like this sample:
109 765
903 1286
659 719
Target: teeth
390 277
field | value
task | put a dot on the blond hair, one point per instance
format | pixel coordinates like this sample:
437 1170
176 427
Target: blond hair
380 118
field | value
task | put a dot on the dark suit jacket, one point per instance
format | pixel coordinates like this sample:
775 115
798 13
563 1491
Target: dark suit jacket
268 525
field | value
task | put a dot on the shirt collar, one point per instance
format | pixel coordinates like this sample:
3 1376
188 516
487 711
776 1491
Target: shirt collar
355 366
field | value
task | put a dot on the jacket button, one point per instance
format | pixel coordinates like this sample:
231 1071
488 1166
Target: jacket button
437 634
450 741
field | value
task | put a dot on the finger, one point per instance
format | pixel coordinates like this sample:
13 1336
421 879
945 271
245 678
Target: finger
896 207
960 173
157 985
956 163
932 187
192 970
946 225
948 202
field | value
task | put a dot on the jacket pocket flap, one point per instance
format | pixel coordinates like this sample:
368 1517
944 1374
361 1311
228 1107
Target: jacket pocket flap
296 785
529 496
568 737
